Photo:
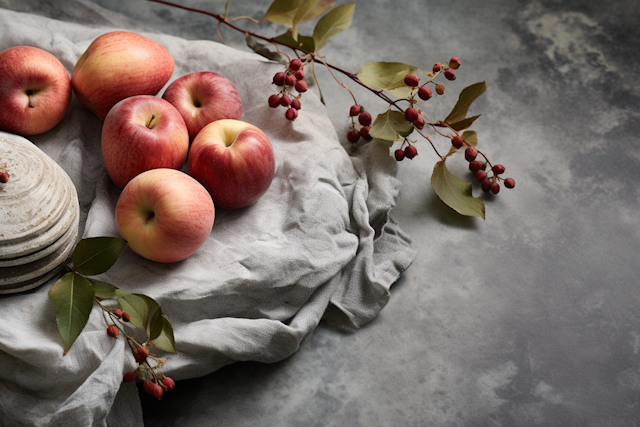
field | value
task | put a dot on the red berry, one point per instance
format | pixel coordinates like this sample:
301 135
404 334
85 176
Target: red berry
364 133
454 63
295 103
470 154
126 316
424 93
399 154
4 177
291 80
475 166
486 185
498 169
299 74
157 391
509 182
113 331
148 386
457 141
117 312
364 118
140 354
419 124
301 86
278 79
481 176
411 114
274 101
411 151
440 89
295 64
355 110
353 136
411 80
450 74
495 188
437 68
129 377
291 114
285 101
168 383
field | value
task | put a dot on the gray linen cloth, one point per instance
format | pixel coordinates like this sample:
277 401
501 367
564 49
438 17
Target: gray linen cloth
320 238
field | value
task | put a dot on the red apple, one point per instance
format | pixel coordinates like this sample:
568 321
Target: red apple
234 160
164 215
202 98
142 133
118 65
35 90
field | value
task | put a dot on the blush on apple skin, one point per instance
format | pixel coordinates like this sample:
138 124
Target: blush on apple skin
164 215
141 133
202 98
234 160
118 65
35 90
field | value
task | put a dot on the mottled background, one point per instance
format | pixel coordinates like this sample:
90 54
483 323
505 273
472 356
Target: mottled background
529 318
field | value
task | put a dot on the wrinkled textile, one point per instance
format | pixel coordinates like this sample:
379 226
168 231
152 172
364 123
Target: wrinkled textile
320 237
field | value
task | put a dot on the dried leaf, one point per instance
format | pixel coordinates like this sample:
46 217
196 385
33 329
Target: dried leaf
391 126
73 297
387 76
97 254
457 118
337 20
282 12
455 192
304 42
165 340
263 50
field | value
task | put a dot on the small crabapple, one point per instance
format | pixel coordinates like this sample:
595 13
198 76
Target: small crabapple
301 86
364 133
437 68
355 110
411 114
457 141
450 74
425 93
411 80
113 331
498 169
495 188
509 182
299 74
291 80
470 154
481 175
353 136
295 103
157 391
486 185
129 377
126 316
364 118
475 166
399 154
454 63
148 386
291 114
274 101
411 151
295 64
285 101
440 89
278 79
117 312
419 123
140 354
168 383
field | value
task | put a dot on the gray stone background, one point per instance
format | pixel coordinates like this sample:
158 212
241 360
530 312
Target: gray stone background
529 318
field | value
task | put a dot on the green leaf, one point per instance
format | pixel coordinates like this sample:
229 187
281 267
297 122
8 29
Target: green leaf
135 306
103 290
391 126
73 296
282 12
337 20
304 42
264 50
97 254
459 112
455 192
153 325
165 340
388 76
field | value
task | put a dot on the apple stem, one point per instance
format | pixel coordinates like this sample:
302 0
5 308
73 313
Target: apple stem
153 116
30 95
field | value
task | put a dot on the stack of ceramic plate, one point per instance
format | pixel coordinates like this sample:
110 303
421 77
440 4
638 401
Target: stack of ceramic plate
39 216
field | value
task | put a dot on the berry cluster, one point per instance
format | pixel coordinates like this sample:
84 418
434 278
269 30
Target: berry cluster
480 169
364 118
290 78
155 382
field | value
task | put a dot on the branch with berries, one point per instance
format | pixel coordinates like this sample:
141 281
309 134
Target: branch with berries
74 296
397 84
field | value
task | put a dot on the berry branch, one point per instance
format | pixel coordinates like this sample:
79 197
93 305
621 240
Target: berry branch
386 81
